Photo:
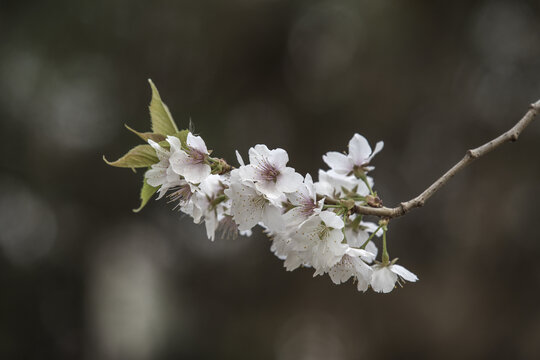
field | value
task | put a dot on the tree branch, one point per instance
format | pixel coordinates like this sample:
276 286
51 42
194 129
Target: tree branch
471 155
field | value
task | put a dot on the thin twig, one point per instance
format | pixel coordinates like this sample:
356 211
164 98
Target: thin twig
471 155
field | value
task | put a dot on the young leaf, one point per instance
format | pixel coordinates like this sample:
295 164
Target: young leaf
182 135
147 135
139 156
146 194
162 120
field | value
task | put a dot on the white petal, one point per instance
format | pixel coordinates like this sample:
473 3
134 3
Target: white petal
247 173
175 143
338 162
382 279
269 188
404 273
197 143
239 159
378 147
156 176
356 238
288 180
331 219
273 219
211 185
365 255
245 205
363 275
211 224
196 173
372 248
161 153
359 149
258 154
279 158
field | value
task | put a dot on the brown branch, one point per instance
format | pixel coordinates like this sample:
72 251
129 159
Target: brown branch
471 155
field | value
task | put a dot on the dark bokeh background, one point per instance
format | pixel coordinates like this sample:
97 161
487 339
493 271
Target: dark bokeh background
82 277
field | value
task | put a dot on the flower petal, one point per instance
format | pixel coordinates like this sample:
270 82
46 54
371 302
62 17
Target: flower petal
338 162
196 173
174 142
197 143
382 279
288 180
378 147
273 219
359 149
279 158
239 159
404 273
330 219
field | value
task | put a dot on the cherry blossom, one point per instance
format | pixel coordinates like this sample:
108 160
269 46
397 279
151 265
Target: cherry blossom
161 174
191 163
385 276
320 237
353 264
359 156
268 171
249 206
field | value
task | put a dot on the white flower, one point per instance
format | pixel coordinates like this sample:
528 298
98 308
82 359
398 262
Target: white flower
334 185
207 204
192 163
359 156
269 173
182 193
161 174
385 276
304 201
320 238
249 206
352 264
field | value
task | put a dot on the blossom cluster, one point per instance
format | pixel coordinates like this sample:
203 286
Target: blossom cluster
311 224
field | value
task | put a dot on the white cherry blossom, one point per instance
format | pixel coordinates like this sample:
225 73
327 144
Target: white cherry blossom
161 173
191 163
359 156
269 173
304 202
207 204
320 237
353 264
249 206
384 277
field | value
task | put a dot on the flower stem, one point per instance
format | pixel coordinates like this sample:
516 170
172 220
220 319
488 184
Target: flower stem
385 256
365 180
369 238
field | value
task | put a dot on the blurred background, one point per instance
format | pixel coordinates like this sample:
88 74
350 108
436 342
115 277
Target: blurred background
83 277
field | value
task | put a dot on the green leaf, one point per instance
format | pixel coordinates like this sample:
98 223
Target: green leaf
146 194
162 120
147 135
182 135
139 156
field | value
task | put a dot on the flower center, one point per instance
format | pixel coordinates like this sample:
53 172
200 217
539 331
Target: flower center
182 194
197 157
259 201
267 171
323 231
307 206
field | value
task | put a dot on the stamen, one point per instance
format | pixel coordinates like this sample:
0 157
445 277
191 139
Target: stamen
267 171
